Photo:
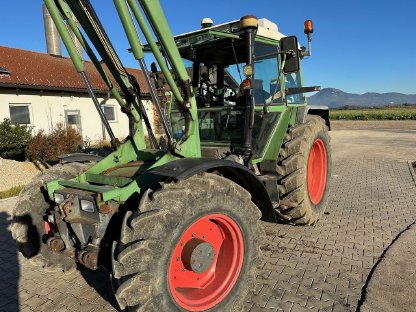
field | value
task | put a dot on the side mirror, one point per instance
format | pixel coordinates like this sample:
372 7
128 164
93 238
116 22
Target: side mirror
289 47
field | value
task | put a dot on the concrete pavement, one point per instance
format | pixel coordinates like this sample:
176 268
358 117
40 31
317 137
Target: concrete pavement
318 268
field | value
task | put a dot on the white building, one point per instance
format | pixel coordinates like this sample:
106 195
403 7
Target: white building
43 90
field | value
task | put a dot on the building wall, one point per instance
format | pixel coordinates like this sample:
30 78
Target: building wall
47 109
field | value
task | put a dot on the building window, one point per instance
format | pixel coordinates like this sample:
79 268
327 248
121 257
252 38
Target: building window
73 120
19 114
109 112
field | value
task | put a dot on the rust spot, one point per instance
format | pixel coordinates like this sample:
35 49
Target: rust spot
56 244
105 209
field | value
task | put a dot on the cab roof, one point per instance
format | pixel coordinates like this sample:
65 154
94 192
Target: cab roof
266 29
197 44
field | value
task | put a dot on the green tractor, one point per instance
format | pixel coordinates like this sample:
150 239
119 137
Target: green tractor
176 219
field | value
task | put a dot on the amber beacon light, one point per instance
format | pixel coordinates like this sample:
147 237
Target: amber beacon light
308 30
308 27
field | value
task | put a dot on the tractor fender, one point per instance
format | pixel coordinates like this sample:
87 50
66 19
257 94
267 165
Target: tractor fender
317 110
185 168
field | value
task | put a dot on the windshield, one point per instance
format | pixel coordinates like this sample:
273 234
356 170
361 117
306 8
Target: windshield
217 74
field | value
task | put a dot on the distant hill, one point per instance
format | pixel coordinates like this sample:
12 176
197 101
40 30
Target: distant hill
335 98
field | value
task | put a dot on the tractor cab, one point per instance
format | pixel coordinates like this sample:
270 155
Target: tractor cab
239 86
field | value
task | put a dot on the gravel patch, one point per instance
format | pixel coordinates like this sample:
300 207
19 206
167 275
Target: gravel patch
15 173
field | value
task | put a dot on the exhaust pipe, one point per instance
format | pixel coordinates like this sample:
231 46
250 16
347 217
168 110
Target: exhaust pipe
53 40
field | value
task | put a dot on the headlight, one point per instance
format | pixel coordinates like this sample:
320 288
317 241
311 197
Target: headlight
58 198
248 70
87 206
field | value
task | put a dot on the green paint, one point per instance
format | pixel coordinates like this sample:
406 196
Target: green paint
86 186
273 147
107 180
159 23
129 28
155 49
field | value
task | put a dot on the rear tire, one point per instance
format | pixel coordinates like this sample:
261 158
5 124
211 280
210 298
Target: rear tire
28 225
150 264
304 170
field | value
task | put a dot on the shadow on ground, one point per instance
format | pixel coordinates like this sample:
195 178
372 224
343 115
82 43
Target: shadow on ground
100 280
9 268
39 291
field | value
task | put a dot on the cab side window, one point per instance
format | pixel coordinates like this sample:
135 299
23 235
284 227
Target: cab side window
293 81
266 72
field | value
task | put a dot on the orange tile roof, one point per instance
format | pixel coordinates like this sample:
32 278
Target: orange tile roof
40 70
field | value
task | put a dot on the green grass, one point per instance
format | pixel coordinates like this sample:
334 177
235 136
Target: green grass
396 113
14 191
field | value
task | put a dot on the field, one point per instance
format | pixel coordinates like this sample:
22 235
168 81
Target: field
393 113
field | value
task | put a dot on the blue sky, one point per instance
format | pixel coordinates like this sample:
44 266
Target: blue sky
358 45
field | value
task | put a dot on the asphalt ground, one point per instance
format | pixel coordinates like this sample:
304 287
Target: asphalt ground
326 267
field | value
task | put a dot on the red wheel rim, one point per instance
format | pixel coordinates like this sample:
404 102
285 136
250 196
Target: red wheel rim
199 291
317 171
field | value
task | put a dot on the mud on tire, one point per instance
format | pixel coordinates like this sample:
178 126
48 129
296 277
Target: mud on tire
28 223
300 203
151 235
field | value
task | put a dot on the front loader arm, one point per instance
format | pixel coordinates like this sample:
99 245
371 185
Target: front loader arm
66 14
189 144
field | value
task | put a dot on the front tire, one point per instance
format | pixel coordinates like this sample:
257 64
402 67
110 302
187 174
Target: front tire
192 246
304 169
28 225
